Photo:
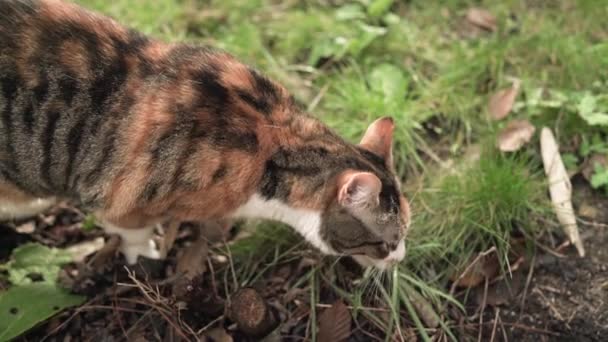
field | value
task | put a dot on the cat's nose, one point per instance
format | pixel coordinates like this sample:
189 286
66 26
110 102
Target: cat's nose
391 246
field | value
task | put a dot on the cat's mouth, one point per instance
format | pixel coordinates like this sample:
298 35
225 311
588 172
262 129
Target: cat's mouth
393 258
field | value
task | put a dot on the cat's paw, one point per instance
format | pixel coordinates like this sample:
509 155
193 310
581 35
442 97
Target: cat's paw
133 251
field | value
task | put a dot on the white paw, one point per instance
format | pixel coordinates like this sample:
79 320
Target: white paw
132 251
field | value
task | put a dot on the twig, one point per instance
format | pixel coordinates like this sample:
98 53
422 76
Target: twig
313 104
483 308
496 316
528 281
548 249
592 223
504 331
203 329
548 303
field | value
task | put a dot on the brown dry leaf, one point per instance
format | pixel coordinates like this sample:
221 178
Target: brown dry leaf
560 188
482 18
335 323
487 266
424 309
588 210
515 135
502 101
194 260
504 291
219 334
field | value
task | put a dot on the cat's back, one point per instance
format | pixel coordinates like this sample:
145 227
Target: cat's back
63 85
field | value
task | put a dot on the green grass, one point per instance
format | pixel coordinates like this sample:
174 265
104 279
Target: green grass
359 60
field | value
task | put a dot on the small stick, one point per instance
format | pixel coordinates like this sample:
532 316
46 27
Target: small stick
496 316
528 281
592 223
483 308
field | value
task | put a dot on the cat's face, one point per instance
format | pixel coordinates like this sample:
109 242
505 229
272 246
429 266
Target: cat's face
369 217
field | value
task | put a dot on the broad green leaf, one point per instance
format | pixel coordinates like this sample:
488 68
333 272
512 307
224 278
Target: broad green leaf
22 307
587 109
327 48
379 7
366 36
388 80
35 258
350 12
570 161
600 177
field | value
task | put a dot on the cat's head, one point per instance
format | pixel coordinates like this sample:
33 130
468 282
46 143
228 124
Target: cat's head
368 218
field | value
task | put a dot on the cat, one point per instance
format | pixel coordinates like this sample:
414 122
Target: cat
138 131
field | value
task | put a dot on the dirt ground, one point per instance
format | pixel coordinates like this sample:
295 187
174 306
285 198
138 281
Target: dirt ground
565 298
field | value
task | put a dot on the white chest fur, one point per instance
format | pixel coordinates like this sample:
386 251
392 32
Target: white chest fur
304 221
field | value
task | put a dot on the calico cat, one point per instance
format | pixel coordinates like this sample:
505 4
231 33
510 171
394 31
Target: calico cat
139 131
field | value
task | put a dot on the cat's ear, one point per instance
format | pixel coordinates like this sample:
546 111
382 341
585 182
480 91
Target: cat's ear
378 139
356 189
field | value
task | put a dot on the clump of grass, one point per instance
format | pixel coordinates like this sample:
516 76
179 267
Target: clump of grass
477 206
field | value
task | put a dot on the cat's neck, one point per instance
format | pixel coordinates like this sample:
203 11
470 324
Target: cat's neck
306 222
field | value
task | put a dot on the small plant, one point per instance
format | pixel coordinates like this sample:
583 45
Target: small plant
34 295
599 180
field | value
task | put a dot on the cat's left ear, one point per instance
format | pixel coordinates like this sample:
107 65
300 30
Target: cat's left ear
378 139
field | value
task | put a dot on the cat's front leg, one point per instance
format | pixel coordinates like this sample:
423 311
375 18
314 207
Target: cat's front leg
135 241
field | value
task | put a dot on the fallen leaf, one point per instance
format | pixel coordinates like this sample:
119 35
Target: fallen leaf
334 323
81 250
218 334
560 188
588 210
424 309
471 276
482 19
515 135
194 260
503 291
502 101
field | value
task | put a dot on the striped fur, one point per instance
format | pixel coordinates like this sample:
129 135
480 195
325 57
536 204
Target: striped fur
140 131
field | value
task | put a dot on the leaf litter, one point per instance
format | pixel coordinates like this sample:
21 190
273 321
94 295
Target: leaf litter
335 323
515 135
482 18
501 103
